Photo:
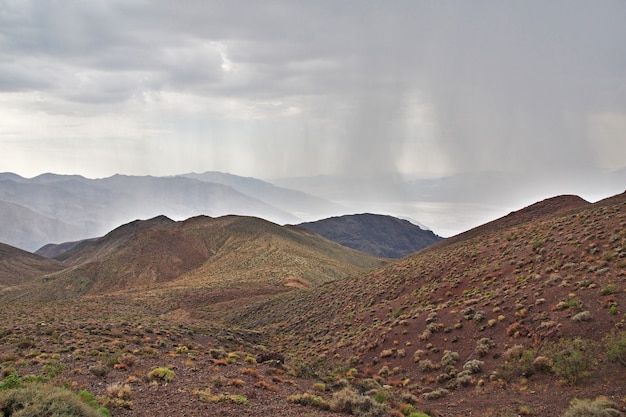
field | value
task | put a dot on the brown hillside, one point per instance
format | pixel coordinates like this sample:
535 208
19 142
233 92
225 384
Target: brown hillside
19 267
504 294
549 207
199 253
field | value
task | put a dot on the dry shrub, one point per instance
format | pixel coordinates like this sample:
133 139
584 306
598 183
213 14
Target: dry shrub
436 394
119 390
426 365
266 385
249 371
449 358
127 360
350 402
473 366
310 400
600 407
483 345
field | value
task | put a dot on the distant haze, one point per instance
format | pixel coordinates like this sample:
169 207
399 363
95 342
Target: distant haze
390 94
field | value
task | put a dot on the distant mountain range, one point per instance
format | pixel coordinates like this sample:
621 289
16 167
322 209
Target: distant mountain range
375 234
53 208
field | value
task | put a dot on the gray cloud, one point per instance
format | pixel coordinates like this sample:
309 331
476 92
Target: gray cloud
293 88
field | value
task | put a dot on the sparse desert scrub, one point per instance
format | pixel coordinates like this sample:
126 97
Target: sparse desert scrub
600 407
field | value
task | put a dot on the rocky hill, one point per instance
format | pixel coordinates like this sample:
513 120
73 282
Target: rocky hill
518 316
375 234
18 267
201 252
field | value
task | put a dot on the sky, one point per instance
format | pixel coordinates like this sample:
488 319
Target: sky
407 90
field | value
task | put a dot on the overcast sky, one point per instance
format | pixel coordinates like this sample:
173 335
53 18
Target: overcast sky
270 89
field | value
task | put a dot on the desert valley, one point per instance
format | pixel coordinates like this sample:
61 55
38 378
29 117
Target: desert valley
234 315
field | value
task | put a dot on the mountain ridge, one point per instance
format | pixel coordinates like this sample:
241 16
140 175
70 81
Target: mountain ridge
159 252
375 234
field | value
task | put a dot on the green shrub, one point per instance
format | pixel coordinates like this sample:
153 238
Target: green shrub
616 347
572 359
519 362
11 381
161 373
52 368
39 400
600 407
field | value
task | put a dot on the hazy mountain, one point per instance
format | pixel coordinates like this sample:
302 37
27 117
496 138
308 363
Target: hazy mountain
501 188
26 229
303 205
375 234
88 208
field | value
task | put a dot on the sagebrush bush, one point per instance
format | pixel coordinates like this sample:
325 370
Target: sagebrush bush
483 345
310 400
449 358
436 394
600 407
348 401
426 365
473 366
582 316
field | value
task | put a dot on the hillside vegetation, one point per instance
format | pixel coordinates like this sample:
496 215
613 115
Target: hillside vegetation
517 316
237 316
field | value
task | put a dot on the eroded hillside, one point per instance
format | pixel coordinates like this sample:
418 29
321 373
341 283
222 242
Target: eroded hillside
478 322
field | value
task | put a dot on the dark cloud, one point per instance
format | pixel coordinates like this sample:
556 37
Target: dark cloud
355 88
